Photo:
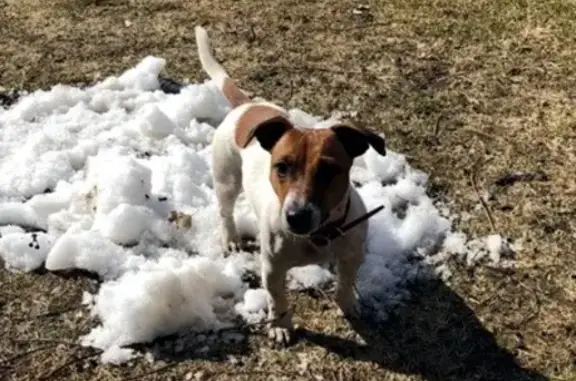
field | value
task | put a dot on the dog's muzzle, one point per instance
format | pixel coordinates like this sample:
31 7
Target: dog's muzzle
300 219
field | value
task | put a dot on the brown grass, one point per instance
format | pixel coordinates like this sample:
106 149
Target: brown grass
464 87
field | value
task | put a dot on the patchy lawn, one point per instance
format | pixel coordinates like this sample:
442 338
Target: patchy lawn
470 90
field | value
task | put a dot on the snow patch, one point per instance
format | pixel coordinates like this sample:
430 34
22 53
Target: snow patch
101 172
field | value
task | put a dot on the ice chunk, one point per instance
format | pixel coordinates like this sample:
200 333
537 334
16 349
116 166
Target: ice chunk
24 251
155 124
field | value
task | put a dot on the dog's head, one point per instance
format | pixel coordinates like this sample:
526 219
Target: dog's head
310 168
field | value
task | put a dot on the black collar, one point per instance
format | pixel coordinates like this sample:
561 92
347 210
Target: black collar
335 229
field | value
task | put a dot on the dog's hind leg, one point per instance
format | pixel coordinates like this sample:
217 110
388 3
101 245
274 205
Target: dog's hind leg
227 175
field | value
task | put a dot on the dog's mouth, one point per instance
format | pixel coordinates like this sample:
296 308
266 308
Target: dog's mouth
320 236
300 230
299 233
309 229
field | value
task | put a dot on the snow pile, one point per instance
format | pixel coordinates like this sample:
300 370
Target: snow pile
162 298
115 179
496 249
21 251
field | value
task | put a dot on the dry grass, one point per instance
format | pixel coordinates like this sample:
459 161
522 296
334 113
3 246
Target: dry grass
467 88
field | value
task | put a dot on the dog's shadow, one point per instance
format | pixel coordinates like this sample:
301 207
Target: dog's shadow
435 335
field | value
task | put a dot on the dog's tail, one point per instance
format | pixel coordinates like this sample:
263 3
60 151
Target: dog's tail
216 72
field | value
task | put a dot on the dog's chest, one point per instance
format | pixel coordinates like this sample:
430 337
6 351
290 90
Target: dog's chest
300 252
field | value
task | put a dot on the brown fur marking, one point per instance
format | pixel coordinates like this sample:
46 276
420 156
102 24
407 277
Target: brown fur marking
233 93
317 162
251 120
318 167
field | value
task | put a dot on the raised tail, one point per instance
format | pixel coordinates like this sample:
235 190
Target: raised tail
216 72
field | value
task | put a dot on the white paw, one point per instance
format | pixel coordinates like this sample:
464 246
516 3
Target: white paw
231 246
279 335
280 330
230 243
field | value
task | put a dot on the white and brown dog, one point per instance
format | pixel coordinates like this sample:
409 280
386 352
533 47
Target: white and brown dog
298 183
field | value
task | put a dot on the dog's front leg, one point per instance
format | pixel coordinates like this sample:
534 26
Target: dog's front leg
347 269
274 281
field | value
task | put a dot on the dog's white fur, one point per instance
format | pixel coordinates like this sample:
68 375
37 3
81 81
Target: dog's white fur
236 169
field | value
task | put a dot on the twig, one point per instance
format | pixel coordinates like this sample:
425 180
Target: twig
291 94
487 136
401 72
51 374
17 356
334 376
154 371
437 126
44 340
511 178
48 314
481 199
480 133
538 304
371 25
30 351
252 35
54 313
243 326
310 68
290 374
323 293
315 288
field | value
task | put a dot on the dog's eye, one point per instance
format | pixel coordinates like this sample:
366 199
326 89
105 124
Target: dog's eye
327 172
282 169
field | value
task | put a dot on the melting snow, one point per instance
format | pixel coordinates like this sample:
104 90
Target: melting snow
98 171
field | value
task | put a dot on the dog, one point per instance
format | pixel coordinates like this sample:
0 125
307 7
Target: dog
298 183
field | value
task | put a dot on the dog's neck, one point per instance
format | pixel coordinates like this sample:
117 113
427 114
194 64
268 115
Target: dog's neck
340 211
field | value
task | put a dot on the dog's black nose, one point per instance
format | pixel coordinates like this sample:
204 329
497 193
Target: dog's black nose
299 220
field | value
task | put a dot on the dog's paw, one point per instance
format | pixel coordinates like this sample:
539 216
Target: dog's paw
348 308
350 313
231 244
280 336
280 331
231 247
229 237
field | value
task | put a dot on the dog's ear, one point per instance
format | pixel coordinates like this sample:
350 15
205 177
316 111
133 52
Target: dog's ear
356 141
264 123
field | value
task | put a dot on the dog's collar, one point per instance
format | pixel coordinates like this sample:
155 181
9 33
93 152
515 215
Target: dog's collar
335 229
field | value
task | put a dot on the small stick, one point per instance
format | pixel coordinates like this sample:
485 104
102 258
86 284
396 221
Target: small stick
17 356
291 91
371 25
482 201
248 325
483 134
66 364
311 68
49 314
43 340
150 373
437 126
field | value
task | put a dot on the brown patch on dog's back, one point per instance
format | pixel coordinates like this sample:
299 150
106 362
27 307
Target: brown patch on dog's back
254 118
233 93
